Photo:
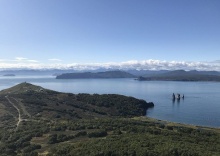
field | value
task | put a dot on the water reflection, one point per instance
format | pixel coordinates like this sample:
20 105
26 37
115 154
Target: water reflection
178 100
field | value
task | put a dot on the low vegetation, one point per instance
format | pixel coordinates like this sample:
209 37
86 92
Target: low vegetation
109 136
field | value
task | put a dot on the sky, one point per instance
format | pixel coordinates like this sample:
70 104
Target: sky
137 34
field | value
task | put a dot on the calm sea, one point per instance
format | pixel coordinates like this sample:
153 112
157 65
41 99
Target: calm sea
201 105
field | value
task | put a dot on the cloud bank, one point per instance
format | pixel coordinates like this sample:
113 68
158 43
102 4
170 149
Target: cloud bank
24 63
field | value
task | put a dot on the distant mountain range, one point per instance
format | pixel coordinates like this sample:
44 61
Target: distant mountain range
181 75
146 72
99 75
35 72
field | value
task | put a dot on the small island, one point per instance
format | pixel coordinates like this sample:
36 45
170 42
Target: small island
9 75
98 75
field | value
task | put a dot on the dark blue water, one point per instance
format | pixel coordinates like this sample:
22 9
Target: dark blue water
201 105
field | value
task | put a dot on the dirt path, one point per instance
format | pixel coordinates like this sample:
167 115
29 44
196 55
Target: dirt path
19 112
22 107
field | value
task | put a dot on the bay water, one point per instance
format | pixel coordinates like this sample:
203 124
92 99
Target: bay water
201 105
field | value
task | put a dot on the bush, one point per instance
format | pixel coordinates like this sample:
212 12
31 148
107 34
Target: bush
97 134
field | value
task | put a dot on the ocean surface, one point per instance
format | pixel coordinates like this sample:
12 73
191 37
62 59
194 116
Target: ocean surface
201 105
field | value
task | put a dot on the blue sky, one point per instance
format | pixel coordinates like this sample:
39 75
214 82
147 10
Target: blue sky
41 33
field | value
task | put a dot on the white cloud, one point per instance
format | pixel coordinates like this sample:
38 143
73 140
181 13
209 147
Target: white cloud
216 61
133 64
54 59
20 58
34 61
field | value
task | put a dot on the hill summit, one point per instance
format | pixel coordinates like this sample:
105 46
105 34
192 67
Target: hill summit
22 88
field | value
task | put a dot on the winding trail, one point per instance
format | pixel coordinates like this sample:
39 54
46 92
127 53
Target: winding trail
22 107
19 112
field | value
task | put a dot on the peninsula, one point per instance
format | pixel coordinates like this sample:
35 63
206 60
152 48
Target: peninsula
181 75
